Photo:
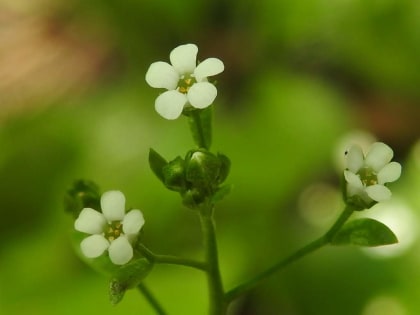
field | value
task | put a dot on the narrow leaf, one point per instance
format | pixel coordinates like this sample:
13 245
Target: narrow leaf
364 232
157 162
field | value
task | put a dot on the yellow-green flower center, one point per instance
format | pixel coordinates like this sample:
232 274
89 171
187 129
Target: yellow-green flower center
367 176
185 83
113 230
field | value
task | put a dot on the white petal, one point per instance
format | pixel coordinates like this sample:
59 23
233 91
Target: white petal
162 75
133 221
183 58
113 205
207 68
202 94
355 158
90 221
353 179
378 192
378 156
389 173
120 251
93 246
170 104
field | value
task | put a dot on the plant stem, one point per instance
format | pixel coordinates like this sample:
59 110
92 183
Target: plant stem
171 260
320 242
217 303
200 127
151 299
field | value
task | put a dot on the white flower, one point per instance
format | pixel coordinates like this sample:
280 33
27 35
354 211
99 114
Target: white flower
366 176
185 81
113 229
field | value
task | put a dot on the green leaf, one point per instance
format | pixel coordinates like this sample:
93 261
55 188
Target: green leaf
364 232
157 163
128 276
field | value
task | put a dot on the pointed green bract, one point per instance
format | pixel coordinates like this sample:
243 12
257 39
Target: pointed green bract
127 277
157 163
364 232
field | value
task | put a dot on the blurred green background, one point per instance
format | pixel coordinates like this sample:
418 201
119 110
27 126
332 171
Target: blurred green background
303 79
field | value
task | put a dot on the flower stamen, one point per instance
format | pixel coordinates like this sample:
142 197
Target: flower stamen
367 176
114 231
185 83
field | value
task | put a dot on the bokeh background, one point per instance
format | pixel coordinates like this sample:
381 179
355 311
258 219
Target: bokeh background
303 80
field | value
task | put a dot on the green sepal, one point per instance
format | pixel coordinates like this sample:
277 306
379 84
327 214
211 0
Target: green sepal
127 277
221 193
173 174
364 232
157 163
224 168
82 194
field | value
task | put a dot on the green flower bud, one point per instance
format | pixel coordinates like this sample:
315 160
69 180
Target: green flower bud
224 168
203 169
173 174
82 194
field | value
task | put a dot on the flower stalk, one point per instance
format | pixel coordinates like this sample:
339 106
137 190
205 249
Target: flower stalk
217 302
171 260
311 247
154 303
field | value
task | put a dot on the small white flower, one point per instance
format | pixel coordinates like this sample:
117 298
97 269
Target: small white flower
366 176
113 229
185 81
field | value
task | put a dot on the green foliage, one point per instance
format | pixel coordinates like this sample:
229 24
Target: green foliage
364 232
127 277
157 163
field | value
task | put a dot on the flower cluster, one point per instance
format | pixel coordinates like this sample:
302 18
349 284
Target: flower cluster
185 81
366 176
112 230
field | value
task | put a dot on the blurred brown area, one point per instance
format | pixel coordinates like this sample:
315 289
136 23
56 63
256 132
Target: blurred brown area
44 57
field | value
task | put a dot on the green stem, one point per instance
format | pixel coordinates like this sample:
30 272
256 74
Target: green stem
320 242
171 260
200 126
217 303
151 299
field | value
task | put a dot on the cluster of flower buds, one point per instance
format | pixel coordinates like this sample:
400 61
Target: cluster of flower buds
197 177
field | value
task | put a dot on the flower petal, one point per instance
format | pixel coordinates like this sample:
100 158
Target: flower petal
120 251
133 221
113 205
378 156
389 173
162 75
183 58
90 221
202 94
170 104
93 246
354 158
207 68
353 179
378 192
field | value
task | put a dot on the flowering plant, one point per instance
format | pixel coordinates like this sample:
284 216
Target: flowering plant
111 237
